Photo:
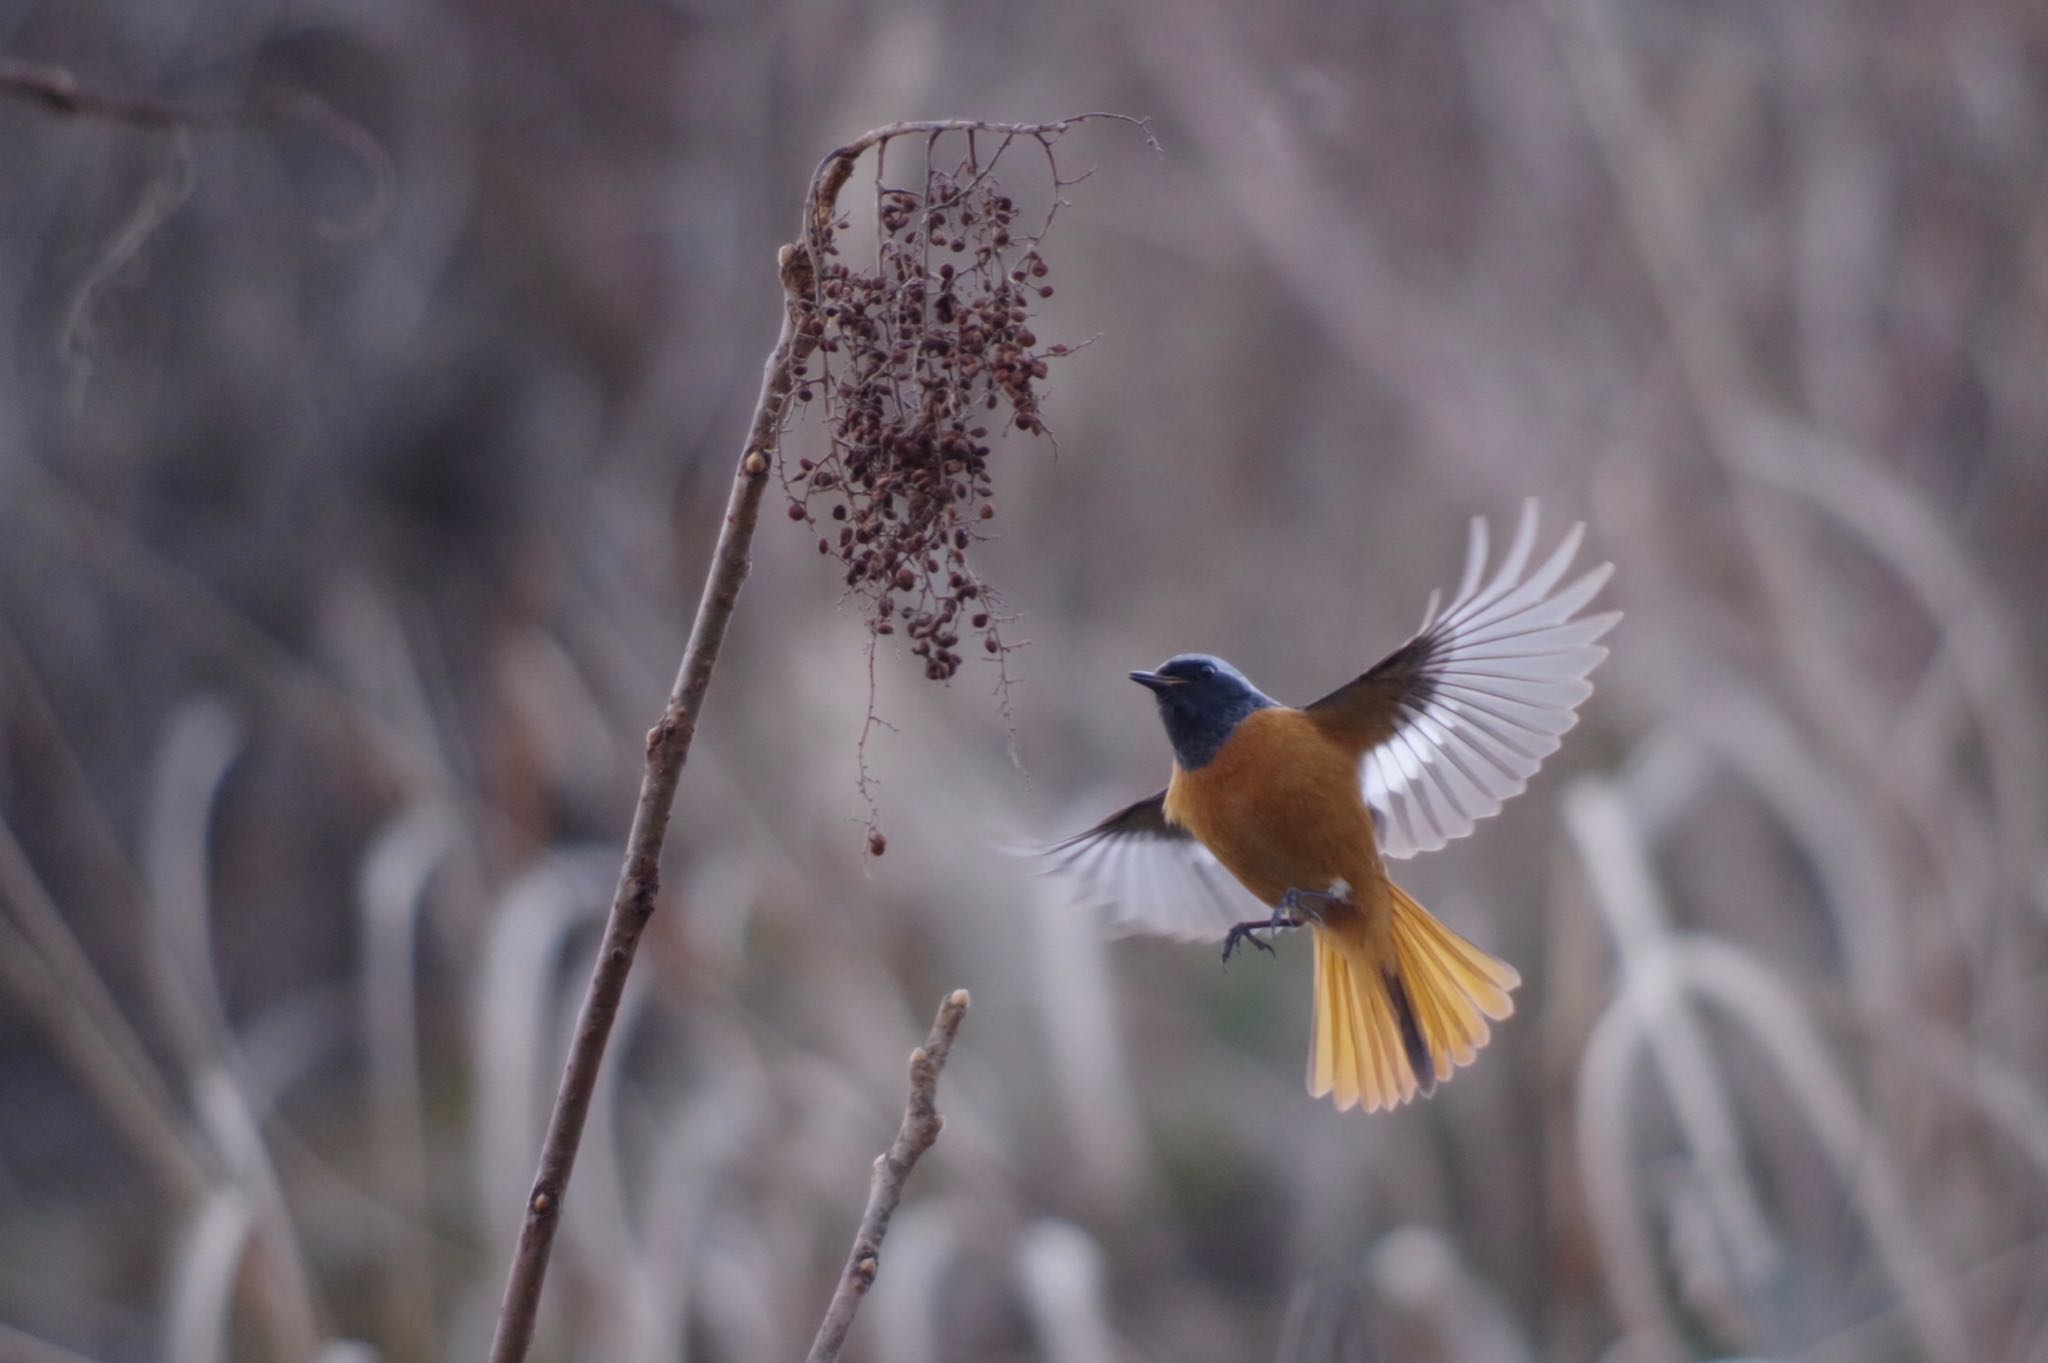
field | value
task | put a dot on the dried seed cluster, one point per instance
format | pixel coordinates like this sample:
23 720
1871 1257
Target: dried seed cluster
918 360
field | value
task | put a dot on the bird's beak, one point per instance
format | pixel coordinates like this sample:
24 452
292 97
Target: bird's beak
1155 681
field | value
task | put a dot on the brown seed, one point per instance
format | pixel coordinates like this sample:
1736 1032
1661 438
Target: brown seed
877 844
796 511
988 642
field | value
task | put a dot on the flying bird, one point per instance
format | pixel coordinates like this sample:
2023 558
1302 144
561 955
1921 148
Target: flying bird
1294 811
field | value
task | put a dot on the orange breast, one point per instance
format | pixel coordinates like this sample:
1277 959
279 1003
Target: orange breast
1280 806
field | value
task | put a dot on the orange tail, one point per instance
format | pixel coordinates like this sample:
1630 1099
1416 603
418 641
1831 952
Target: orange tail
1387 1029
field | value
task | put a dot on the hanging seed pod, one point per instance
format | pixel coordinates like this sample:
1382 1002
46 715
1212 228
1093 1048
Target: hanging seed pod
911 354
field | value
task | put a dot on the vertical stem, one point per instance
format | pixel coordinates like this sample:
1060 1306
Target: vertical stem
668 748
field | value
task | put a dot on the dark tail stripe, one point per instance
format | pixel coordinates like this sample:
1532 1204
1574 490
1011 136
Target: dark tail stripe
1411 1032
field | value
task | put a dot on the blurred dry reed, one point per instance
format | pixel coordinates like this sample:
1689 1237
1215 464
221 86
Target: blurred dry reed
335 576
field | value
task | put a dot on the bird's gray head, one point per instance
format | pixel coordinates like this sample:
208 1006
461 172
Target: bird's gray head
1202 701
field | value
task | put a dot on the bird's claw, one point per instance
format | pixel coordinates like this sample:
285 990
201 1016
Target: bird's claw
1295 908
1283 917
1241 933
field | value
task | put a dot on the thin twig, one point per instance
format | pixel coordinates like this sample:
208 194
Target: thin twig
668 747
917 1133
57 91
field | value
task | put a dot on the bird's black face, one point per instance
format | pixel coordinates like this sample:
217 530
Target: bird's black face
1202 701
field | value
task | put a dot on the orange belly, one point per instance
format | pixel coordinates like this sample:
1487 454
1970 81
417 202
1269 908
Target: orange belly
1281 808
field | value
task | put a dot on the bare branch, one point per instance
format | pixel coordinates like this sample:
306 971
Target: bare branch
57 91
668 743
668 748
917 1133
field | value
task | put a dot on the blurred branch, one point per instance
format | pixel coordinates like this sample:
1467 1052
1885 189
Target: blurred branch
18 1346
919 1130
168 189
71 525
668 742
49 975
57 91
44 966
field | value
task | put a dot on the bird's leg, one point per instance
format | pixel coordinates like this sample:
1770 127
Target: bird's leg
1295 908
1298 901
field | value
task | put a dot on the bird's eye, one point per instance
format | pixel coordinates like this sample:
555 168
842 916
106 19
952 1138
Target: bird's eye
1208 669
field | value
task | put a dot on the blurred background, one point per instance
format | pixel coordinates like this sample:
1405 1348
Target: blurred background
349 537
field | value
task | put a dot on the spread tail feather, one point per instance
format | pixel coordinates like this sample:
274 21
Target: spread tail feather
1399 1010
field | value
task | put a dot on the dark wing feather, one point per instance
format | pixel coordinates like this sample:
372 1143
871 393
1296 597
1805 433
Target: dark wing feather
1456 720
1152 876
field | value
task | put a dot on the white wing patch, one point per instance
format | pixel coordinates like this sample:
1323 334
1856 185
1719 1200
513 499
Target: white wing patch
1503 674
1155 881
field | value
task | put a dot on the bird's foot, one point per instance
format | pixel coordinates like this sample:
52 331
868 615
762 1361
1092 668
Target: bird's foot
1240 933
1296 908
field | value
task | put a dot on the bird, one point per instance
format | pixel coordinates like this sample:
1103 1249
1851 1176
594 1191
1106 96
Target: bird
1277 818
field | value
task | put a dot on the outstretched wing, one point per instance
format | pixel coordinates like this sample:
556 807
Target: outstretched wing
1456 720
1152 876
